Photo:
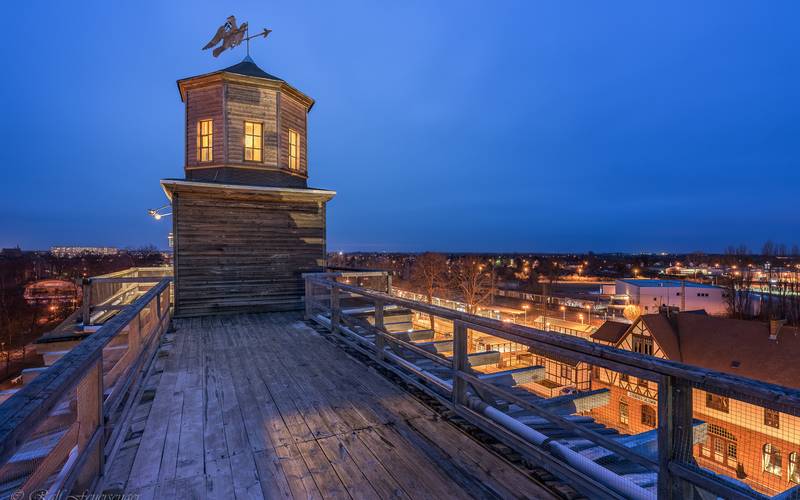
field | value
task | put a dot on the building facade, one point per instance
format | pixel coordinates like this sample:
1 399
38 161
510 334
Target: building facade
744 441
651 295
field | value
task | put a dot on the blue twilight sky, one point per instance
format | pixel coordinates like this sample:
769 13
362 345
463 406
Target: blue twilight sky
443 125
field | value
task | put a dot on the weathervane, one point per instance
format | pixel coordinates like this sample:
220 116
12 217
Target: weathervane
230 35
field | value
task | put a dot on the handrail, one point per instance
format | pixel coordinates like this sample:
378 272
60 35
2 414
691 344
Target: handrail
81 369
784 398
488 406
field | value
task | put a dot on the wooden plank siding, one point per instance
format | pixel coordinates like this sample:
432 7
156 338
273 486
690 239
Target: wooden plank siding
244 250
292 116
229 104
204 104
250 103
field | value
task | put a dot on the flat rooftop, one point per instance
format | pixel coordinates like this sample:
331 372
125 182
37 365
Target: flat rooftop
263 406
646 283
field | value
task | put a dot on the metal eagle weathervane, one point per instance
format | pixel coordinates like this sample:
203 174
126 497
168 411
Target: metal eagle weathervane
231 35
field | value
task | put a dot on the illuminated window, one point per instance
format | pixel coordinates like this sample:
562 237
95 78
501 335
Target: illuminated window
719 403
253 140
771 459
294 150
205 135
623 412
648 416
772 418
794 467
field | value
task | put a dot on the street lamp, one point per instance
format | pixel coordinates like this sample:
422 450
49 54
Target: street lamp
589 308
157 213
525 308
580 316
564 312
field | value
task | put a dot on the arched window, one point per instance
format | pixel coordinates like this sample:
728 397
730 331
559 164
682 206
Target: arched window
648 416
771 459
794 467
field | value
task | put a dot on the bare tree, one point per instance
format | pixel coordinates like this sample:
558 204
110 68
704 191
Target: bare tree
473 281
429 275
738 294
768 248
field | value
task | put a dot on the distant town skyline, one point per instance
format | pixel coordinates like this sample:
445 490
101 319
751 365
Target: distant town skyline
450 127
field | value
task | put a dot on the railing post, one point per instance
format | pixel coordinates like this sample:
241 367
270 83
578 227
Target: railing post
335 311
89 395
459 362
388 284
158 307
86 307
307 299
380 341
674 435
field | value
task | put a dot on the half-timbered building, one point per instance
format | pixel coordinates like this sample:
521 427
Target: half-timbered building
744 440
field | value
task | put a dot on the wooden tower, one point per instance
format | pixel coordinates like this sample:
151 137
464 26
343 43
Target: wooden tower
245 223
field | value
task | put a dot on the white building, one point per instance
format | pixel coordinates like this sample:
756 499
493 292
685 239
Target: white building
685 295
78 251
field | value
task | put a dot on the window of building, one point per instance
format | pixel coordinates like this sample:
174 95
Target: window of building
641 382
623 412
771 459
253 140
566 372
205 136
642 344
794 467
294 150
772 418
720 446
648 416
715 402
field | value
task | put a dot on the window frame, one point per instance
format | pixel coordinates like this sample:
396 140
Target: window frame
771 459
643 340
772 418
624 416
253 148
794 467
295 157
648 416
199 140
718 403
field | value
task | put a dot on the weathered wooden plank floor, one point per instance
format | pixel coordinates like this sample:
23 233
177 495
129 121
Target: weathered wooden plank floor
261 406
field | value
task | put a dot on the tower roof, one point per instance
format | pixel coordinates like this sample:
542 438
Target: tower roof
247 68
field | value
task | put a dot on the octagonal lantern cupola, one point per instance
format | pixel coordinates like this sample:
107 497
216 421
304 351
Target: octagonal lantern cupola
245 126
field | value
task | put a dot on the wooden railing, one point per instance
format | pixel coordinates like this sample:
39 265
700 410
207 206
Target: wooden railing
105 294
57 432
506 411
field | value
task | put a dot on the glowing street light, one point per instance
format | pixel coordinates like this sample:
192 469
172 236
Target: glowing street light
157 213
580 316
564 312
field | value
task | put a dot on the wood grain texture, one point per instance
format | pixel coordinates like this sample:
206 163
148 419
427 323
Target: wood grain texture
279 412
231 102
237 252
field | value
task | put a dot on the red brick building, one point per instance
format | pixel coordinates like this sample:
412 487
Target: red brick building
743 440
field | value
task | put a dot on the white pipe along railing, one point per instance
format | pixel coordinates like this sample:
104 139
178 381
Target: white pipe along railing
357 316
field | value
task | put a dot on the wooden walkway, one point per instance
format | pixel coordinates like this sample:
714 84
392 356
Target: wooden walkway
262 406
